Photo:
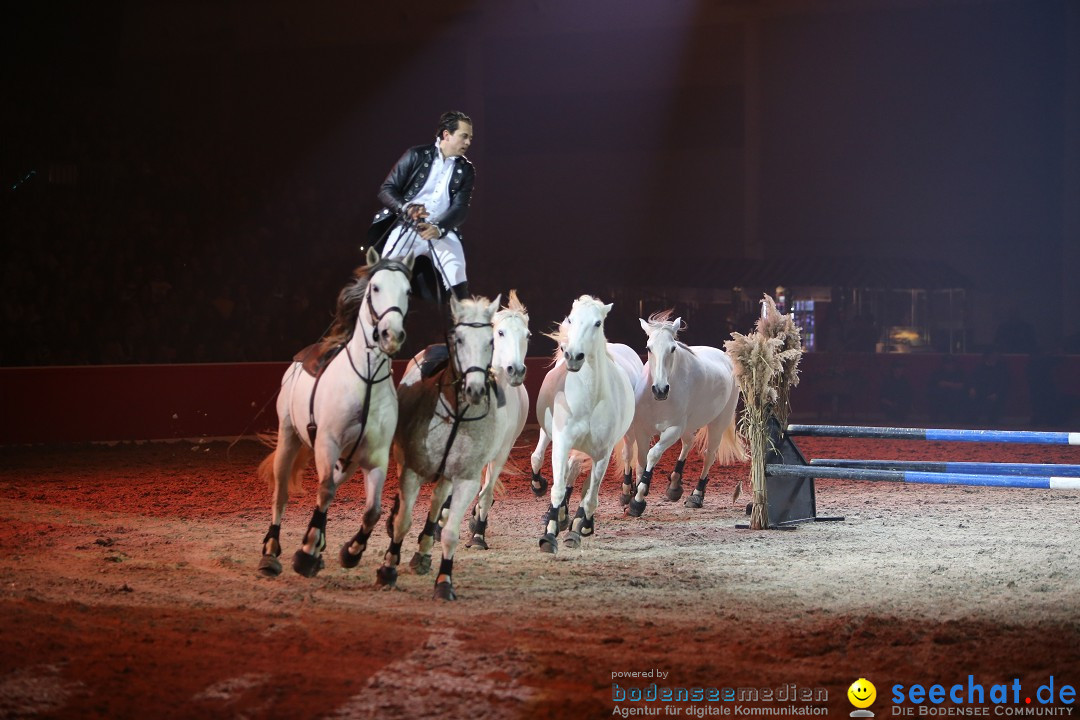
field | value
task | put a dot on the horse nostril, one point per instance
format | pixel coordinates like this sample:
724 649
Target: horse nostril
580 357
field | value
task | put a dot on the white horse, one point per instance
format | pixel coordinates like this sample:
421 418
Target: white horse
511 325
447 429
684 390
590 408
345 413
554 382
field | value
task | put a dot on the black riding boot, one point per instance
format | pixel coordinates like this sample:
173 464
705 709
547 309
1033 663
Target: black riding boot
461 290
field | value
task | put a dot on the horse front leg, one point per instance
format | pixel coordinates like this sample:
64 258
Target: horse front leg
583 524
308 560
675 489
560 459
421 559
538 483
386 575
463 494
482 509
667 439
353 550
640 443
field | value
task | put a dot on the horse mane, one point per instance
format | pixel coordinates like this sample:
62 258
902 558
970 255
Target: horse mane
661 320
348 307
513 307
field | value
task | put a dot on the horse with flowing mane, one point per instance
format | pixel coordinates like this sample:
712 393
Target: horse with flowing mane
585 406
688 394
448 429
343 412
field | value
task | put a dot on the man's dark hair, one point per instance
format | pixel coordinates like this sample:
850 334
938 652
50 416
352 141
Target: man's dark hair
450 121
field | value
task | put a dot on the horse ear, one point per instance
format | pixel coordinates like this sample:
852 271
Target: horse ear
455 307
372 256
408 260
644 325
607 308
678 324
494 306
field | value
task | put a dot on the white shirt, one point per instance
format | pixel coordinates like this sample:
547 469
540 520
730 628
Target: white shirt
435 195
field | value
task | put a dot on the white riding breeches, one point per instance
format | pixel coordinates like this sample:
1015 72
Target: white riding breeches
449 256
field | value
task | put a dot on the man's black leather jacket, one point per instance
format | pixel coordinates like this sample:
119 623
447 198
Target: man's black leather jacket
406 179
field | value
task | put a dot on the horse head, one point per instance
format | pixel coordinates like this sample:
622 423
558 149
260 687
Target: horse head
472 343
386 301
584 331
661 347
511 340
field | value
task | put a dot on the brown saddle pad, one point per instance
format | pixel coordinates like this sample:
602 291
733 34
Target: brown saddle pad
315 357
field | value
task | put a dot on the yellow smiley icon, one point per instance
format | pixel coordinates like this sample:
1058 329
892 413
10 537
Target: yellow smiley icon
862 693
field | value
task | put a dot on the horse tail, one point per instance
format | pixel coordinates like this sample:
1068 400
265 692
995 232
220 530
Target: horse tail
296 472
578 461
730 450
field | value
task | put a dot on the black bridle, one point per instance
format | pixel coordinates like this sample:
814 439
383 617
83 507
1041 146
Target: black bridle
373 369
457 414
376 317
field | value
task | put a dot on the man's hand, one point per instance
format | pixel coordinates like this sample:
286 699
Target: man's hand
428 231
415 212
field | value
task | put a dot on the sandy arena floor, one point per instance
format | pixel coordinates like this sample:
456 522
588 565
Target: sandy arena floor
129 590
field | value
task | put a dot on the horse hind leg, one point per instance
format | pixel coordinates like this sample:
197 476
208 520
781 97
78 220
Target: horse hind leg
281 470
421 559
711 438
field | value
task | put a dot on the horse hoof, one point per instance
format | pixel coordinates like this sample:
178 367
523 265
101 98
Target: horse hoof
477 541
564 518
348 560
307 564
549 544
420 564
386 576
538 485
573 539
624 499
444 591
636 508
269 566
472 523
674 492
694 501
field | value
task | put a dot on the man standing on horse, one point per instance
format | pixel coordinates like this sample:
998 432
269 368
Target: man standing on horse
425 201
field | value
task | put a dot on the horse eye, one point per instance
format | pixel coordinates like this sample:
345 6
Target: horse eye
502 334
672 349
597 324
